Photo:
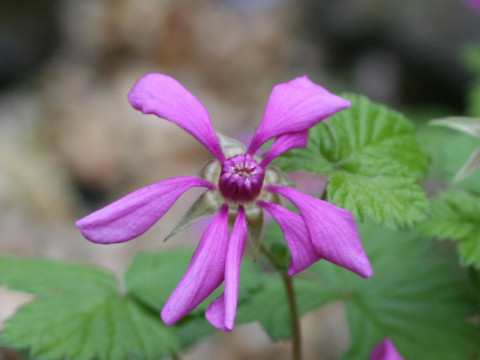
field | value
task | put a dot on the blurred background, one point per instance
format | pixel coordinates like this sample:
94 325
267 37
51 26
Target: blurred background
70 142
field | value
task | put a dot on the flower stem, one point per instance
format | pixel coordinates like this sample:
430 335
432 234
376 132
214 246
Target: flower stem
292 303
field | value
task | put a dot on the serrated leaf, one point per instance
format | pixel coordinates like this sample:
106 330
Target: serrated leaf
372 153
299 159
469 250
191 330
456 216
367 132
417 296
79 314
269 306
84 326
37 276
391 200
152 276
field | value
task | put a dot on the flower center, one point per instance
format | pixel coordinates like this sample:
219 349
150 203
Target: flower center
241 178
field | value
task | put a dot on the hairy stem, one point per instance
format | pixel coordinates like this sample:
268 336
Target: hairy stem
292 302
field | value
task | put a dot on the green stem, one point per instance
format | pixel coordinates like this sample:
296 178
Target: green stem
292 303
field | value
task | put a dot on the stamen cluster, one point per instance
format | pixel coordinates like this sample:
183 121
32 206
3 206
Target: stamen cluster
241 178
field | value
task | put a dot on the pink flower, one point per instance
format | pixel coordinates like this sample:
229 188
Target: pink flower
239 184
385 351
474 3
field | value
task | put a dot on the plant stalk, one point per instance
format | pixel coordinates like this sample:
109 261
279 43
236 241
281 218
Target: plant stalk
292 303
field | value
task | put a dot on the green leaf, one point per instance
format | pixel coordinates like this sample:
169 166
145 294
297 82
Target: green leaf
373 192
192 329
418 296
152 276
38 276
269 306
365 132
79 314
469 126
466 125
83 326
450 151
469 250
374 159
456 216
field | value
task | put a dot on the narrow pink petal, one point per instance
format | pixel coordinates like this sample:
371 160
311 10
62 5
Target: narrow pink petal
204 274
332 229
137 212
221 313
295 106
165 97
285 142
385 351
296 235
215 313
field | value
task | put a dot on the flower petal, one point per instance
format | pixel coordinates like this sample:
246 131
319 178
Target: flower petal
221 313
165 97
215 313
296 235
137 212
385 351
204 274
332 229
295 106
283 143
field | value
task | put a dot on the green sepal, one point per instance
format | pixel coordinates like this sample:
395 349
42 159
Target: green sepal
206 205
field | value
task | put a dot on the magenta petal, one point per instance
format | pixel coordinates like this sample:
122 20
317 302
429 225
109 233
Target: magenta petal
165 97
385 351
204 274
296 235
295 106
215 313
332 229
221 313
283 143
137 212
